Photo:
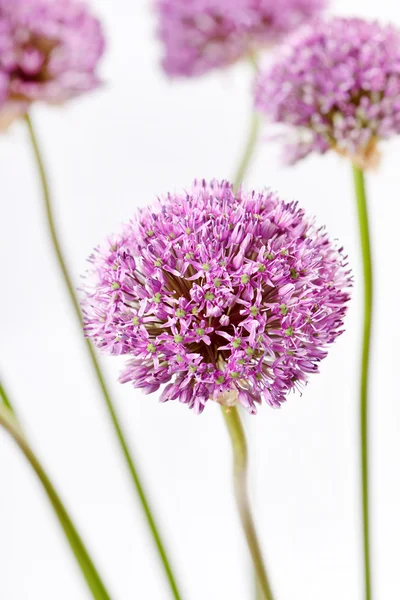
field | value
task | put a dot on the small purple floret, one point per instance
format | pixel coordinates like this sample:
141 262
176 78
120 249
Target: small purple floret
336 86
199 35
49 50
221 296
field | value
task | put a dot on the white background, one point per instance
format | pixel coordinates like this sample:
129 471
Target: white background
107 153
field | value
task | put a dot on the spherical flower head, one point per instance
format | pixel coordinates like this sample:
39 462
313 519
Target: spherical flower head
337 87
221 296
200 35
49 50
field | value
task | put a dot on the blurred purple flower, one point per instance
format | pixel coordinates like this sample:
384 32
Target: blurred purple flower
3 87
199 35
337 86
222 296
49 50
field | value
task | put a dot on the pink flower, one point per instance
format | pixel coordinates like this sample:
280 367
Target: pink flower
337 86
199 35
49 50
222 296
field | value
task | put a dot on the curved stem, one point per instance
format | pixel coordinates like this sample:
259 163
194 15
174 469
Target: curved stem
96 586
97 369
240 459
248 151
365 361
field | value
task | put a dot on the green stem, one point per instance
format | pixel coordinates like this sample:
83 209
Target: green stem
252 139
248 151
10 424
96 366
240 460
5 399
368 304
253 60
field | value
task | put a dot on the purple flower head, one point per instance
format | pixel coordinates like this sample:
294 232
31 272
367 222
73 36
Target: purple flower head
49 50
221 296
199 35
337 87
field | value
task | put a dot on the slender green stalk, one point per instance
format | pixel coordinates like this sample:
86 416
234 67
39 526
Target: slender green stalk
253 60
257 592
5 399
365 361
248 151
11 425
96 366
240 460
252 139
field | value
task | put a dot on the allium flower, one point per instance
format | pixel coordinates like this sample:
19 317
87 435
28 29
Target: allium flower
222 296
336 87
199 35
49 50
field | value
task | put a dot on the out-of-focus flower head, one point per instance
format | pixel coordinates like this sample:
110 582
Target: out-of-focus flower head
49 50
336 86
199 35
221 296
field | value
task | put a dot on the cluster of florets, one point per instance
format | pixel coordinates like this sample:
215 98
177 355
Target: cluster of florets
222 296
49 50
337 86
199 35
